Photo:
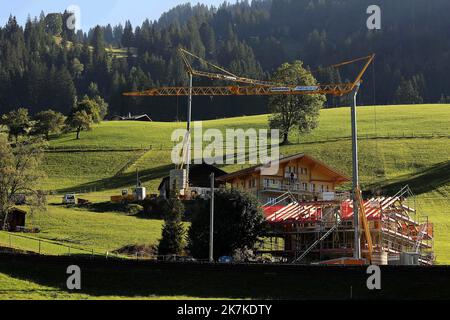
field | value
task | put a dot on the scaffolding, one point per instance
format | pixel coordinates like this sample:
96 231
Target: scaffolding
317 232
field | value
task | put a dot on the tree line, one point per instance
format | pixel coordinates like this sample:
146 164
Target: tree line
20 124
44 65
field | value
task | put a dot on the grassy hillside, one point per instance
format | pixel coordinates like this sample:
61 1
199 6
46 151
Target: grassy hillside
399 145
98 231
396 143
381 121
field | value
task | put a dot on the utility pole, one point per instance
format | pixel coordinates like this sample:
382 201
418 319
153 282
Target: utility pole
189 119
357 252
211 222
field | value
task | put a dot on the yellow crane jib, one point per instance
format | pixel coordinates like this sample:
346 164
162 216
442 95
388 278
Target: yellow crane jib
252 87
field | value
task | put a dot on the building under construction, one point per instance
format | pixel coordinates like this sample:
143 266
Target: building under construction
323 232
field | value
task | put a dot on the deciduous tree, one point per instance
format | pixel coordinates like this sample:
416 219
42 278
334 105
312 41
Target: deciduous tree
49 122
17 122
79 121
238 224
294 111
20 173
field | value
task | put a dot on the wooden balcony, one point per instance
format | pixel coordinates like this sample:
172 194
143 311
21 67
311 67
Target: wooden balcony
299 189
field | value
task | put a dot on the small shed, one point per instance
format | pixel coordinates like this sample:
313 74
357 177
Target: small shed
16 219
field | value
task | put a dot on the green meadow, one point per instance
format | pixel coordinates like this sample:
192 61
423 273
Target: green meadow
399 145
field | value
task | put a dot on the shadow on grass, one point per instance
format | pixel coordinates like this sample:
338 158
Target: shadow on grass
121 181
420 182
128 278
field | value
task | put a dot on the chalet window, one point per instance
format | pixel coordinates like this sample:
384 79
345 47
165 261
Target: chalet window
269 182
313 187
305 186
291 170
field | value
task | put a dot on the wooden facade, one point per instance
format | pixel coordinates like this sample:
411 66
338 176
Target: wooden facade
305 177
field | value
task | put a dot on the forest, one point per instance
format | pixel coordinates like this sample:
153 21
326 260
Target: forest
44 65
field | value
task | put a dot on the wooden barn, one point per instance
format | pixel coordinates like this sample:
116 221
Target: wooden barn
16 220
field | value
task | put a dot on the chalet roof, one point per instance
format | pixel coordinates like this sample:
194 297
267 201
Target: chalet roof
198 173
255 169
17 210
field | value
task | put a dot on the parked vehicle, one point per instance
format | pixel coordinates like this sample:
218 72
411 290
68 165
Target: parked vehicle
225 259
69 198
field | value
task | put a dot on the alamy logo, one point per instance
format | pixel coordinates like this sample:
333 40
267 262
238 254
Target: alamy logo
74 280
374 281
236 146
73 22
374 20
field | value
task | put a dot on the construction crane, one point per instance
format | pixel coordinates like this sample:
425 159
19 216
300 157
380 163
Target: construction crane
253 87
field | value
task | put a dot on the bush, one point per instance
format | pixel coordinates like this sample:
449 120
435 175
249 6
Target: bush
128 208
238 224
133 209
154 208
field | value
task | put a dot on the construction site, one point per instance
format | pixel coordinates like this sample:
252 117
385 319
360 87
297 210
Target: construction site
394 233
345 230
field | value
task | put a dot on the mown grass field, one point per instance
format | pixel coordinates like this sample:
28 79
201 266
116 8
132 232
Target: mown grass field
399 145
99 231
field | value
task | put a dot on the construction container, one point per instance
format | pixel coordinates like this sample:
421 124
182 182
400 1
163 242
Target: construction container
178 179
141 193
380 258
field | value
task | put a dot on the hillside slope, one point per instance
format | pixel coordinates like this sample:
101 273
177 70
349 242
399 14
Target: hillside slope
399 145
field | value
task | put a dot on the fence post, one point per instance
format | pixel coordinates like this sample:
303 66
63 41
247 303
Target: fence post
10 245
39 246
